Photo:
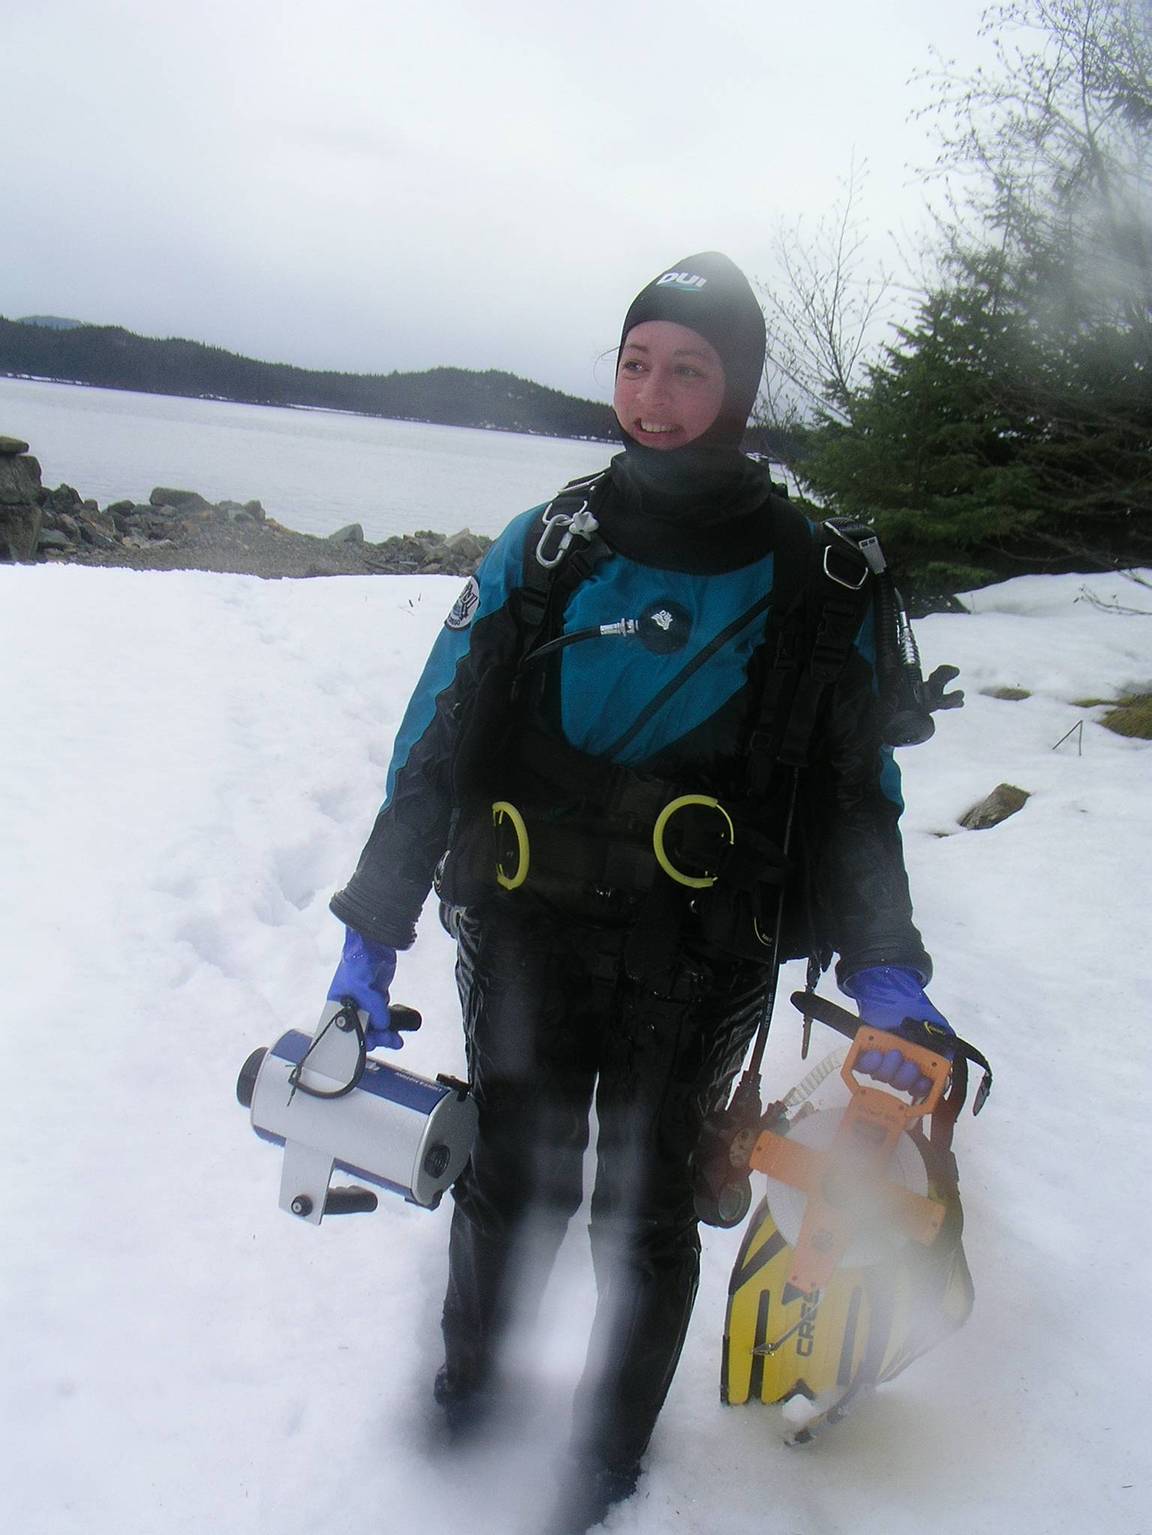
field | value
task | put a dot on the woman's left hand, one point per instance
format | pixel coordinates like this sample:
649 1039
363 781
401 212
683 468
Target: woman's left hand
891 997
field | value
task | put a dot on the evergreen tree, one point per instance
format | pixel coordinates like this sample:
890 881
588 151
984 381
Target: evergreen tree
934 450
1013 421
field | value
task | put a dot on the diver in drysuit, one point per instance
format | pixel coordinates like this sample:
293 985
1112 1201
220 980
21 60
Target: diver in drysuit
573 808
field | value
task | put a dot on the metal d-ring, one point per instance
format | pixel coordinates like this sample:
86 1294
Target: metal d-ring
579 523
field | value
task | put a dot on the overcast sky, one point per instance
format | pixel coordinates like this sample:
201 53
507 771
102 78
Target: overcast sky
378 184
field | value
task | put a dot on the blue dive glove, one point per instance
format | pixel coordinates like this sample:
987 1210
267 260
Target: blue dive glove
364 974
888 995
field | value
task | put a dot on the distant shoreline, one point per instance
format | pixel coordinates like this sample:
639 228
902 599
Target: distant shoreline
111 357
318 410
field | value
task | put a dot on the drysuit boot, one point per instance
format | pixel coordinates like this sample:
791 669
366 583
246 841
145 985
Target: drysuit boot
588 1493
467 1409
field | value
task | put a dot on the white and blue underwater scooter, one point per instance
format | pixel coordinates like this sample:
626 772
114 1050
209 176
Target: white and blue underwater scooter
333 1107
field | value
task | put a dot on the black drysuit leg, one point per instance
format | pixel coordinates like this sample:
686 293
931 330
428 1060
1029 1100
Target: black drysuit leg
667 1062
551 1021
532 1021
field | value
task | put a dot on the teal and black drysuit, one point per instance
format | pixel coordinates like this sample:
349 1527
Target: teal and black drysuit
577 988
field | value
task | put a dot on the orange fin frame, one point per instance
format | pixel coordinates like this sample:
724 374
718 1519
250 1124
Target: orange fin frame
848 1181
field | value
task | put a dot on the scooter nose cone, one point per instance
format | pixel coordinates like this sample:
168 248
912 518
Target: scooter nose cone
246 1081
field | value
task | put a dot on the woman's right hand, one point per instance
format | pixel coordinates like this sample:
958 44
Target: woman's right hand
363 976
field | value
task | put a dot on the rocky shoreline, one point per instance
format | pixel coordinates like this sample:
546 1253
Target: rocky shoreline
181 530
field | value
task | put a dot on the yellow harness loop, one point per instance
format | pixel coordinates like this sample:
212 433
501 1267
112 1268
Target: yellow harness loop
500 809
706 800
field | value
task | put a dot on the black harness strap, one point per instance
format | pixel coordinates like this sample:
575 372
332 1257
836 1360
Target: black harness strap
787 629
839 581
821 590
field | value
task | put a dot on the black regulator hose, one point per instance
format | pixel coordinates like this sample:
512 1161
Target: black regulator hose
908 721
663 628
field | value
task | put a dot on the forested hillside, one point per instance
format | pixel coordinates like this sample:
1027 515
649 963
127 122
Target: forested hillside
113 358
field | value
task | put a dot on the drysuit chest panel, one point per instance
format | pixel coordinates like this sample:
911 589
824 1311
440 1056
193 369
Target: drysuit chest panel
605 683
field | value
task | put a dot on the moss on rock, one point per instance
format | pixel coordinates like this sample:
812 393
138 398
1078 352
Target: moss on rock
1131 717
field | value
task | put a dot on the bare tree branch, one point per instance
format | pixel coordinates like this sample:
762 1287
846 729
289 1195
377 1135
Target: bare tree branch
826 310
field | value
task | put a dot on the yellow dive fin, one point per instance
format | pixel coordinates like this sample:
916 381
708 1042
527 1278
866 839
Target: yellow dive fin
864 1326
867 1273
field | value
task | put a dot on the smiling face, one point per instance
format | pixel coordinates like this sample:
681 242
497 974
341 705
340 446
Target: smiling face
669 385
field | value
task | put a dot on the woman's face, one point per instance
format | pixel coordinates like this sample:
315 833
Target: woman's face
669 385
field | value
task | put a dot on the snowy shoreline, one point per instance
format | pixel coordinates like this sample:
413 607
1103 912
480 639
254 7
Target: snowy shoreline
179 529
314 471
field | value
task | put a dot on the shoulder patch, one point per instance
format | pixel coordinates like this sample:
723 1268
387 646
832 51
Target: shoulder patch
464 608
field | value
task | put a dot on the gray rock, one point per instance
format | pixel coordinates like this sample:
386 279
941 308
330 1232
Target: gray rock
186 500
101 536
63 498
352 534
125 515
19 480
51 539
234 511
9 445
465 545
1005 800
20 514
255 511
138 541
19 532
135 526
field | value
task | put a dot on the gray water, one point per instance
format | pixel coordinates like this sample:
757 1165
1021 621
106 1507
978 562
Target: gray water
313 470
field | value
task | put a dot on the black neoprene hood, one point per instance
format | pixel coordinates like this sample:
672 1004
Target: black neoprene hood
710 295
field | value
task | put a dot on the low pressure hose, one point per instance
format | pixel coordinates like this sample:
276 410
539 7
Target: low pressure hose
908 721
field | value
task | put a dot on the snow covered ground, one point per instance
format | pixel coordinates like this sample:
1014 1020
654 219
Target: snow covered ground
189 765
